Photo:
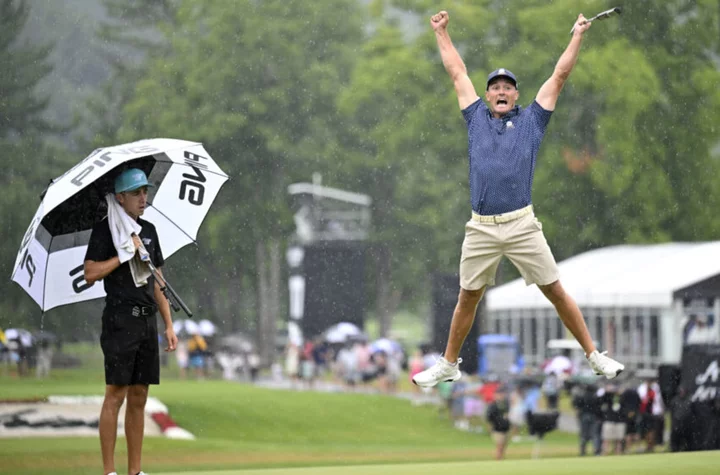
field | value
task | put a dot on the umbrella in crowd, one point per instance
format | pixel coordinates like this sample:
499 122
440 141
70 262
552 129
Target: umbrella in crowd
207 328
237 343
186 327
340 332
559 364
387 346
25 337
186 181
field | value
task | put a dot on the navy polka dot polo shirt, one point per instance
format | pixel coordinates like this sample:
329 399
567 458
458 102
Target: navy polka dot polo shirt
502 156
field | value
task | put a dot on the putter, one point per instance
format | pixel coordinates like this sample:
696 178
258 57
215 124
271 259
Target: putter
600 16
173 298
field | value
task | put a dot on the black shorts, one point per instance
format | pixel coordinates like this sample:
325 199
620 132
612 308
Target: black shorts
129 341
632 426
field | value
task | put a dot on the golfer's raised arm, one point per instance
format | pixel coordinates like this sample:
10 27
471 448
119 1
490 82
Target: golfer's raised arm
548 94
452 61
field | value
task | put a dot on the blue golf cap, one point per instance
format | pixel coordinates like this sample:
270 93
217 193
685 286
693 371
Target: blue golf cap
131 179
501 73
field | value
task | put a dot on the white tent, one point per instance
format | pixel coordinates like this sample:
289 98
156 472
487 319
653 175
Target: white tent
634 297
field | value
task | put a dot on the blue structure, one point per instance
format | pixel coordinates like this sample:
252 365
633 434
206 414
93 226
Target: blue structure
499 355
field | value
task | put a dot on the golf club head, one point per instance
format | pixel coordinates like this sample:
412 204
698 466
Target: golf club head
607 14
601 16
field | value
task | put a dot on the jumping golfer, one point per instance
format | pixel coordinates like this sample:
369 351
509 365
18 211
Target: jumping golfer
503 144
129 338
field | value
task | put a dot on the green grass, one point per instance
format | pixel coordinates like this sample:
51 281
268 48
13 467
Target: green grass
242 429
241 426
656 464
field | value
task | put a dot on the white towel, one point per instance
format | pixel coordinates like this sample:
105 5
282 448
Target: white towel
122 227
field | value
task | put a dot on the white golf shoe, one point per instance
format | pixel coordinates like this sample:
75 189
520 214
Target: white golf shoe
604 365
439 372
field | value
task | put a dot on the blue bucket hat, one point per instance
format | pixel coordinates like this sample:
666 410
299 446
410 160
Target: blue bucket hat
498 73
131 179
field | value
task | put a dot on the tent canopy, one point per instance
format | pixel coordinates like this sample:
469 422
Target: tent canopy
620 276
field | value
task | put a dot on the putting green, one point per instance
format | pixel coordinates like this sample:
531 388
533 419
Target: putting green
657 464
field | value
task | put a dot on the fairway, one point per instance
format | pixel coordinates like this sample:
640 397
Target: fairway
246 430
657 464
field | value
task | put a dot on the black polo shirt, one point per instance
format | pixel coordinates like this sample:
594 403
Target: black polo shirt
119 285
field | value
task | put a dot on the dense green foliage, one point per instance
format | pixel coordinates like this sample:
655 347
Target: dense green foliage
279 89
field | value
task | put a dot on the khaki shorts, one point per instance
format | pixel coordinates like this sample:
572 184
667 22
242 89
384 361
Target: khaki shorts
613 431
521 240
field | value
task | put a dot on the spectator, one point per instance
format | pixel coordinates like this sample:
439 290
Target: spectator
613 425
681 432
416 365
630 400
475 406
587 405
307 363
380 359
307 367
394 368
518 410
44 358
652 414
20 355
365 366
487 390
320 352
292 362
457 405
347 365
196 350
498 418
253 362
551 390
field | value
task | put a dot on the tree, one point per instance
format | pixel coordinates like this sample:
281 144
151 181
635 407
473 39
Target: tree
616 166
23 67
135 32
28 158
253 81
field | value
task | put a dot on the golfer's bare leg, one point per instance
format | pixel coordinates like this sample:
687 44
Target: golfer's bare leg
569 313
114 397
462 321
135 425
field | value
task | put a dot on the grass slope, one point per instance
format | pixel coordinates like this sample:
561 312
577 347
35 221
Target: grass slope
241 426
657 464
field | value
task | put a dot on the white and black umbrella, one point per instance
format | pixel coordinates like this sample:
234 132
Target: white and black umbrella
340 332
185 327
237 343
387 346
559 364
206 327
49 265
24 336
